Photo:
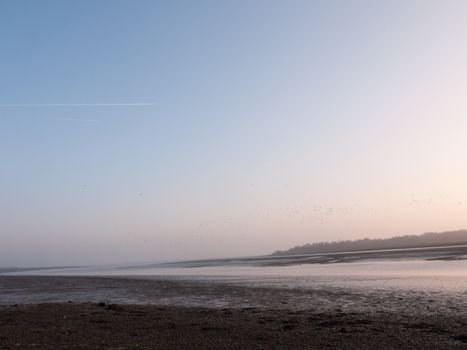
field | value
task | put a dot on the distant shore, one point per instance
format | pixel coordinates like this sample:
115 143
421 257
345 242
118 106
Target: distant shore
444 252
136 313
430 253
429 239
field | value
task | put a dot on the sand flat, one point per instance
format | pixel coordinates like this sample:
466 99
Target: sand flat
142 313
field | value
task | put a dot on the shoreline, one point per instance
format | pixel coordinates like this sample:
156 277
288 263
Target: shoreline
113 326
320 293
135 313
427 253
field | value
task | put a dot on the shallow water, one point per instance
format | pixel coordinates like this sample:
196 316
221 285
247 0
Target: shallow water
432 278
415 274
385 285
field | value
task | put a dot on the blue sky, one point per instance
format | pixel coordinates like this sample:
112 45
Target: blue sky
254 126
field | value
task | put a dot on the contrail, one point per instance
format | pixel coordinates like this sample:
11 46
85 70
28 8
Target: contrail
86 120
26 105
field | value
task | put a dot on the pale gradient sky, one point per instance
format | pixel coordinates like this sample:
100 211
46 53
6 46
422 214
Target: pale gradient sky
153 130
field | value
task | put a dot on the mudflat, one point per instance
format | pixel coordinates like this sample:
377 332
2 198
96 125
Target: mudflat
293 319
112 326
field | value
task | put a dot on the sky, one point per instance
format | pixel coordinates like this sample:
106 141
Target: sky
139 131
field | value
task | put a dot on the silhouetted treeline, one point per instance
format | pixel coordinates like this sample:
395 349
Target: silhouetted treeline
409 241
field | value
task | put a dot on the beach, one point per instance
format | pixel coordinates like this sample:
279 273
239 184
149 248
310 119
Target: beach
57 312
99 326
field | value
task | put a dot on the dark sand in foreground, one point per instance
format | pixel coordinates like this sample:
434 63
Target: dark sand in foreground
322 321
89 326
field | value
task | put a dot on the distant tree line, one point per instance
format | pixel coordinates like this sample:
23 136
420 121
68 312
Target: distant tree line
409 241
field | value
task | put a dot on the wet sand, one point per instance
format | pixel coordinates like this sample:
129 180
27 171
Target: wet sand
139 313
102 326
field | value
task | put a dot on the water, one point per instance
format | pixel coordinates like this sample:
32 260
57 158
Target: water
415 274
433 278
394 285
